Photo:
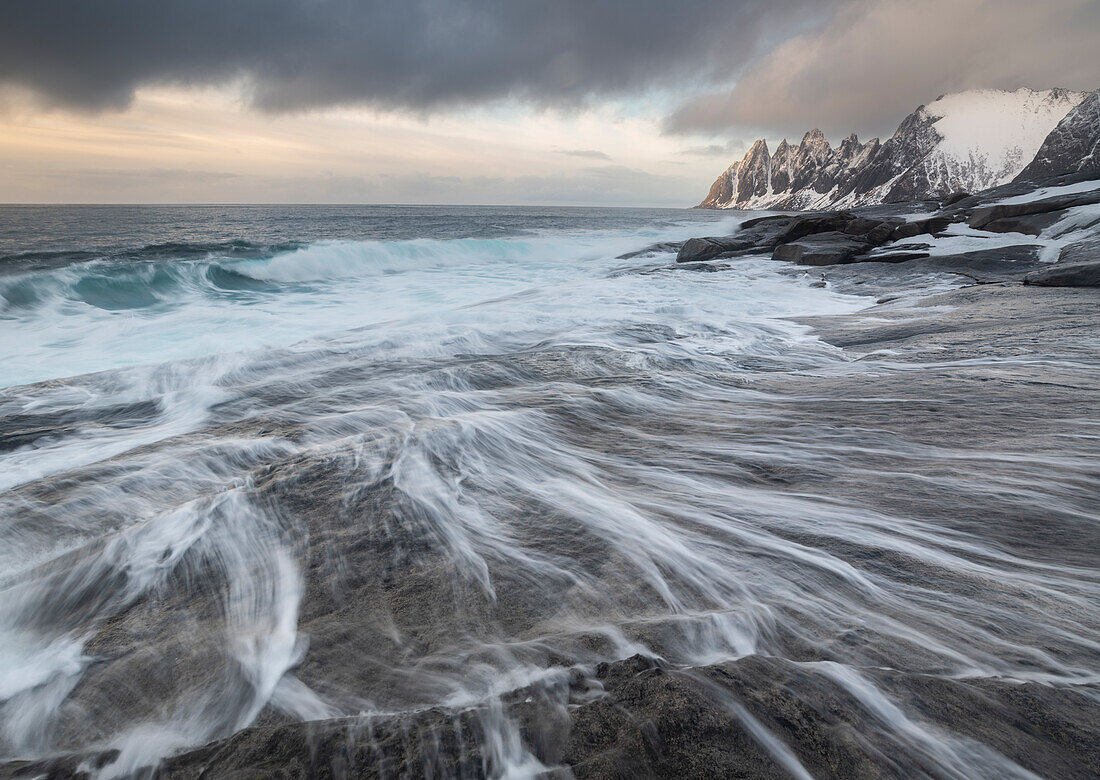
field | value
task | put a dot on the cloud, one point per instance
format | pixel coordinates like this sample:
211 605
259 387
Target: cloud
597 185
302 54
876 62
735 147
591 154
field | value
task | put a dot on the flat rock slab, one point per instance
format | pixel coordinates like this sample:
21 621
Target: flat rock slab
1003 264
1081 252
900 256
756 236
1083 274
696 250
1029 224
660 248
829 248
815 224
986 215
920 227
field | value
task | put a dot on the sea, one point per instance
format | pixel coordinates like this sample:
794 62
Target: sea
266 464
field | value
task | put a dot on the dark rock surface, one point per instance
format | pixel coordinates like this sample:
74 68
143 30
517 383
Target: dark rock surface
917 227
985 215
984 266
1073 146
644 719
818 222
954 198
1029 224
1084 251
830 248
884 235
696 249
757 236
1079 274
660 248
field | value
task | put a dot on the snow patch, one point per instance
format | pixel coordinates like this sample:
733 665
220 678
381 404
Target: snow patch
1049 192
989 135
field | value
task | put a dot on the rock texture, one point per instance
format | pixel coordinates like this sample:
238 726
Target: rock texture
1061 209
1086 274
1072 147
981 218
828 248
641 718
962 142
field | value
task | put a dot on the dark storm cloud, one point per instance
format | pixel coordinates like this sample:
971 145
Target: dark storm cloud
874 62
402 53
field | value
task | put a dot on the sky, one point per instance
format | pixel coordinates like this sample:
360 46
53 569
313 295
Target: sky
578 102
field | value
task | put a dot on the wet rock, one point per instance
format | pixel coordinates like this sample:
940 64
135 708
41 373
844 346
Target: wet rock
920 227
874 231
896 257
697 249
984 215
985 266
822 249
757 238
773 219
821 222
703 267
1029 224
881 233
1081 251
18 430
954 198
861 226
660 248
429 744
1082 274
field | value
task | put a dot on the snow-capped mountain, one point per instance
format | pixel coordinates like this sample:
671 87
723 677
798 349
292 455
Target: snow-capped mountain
1073 146
965 141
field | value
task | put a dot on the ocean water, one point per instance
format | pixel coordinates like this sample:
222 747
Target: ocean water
89 288
265 464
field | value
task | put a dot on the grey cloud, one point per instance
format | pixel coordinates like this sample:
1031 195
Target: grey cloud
876 62
300 54
735 146
591 154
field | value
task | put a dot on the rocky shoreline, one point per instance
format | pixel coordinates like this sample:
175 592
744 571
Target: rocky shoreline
1008 364
1054 211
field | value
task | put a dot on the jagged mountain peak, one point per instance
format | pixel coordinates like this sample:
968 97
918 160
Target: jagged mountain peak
760 147
966 140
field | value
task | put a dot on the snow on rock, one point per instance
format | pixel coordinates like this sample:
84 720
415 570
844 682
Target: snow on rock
965 141
1073 146
990 135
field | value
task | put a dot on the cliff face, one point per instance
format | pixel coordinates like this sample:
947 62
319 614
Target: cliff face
1073 145
966 141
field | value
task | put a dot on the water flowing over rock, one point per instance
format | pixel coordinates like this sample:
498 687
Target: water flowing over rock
609 518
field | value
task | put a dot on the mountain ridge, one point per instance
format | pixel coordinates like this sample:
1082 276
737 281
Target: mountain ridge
962 141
